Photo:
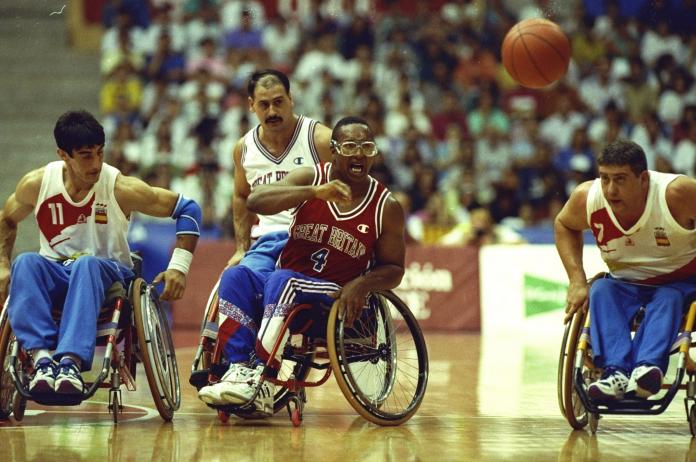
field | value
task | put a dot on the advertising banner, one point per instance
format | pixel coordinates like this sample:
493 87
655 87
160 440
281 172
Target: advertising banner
440 285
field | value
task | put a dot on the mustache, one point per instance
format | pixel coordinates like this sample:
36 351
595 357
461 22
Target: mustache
274 119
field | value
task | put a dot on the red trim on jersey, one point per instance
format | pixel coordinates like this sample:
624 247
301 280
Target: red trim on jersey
603 227
56 214
685 272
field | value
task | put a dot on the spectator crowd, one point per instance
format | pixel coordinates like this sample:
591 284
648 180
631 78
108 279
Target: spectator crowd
467 151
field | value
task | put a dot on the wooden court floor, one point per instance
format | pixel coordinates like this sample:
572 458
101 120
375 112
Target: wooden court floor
487 399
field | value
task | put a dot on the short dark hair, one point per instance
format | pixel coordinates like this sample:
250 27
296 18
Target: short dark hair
273 73
349 120
624 152
75 129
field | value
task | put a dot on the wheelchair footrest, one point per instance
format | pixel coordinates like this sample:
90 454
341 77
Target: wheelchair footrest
629 404
245 411
57 399
199 379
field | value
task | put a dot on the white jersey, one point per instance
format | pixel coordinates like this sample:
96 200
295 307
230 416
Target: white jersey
262 167
656 249
94 226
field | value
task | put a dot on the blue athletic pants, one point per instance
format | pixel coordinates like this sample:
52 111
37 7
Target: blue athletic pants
39 285
240 296
614 303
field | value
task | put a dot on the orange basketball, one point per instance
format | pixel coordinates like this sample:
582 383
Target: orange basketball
536 52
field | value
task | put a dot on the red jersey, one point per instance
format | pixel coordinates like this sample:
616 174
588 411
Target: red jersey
332 245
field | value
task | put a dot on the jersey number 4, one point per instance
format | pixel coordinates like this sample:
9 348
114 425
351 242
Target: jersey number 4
319 258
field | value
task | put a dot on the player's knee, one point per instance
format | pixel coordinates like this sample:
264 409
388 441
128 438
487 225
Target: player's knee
27 261
601 286
278 277
234 275
86 263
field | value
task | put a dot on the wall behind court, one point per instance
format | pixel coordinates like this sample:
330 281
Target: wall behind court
441 285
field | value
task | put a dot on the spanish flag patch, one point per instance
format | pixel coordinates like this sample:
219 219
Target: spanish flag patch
100 214
661 238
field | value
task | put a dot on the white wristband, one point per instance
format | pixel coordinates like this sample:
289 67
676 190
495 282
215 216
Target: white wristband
181 260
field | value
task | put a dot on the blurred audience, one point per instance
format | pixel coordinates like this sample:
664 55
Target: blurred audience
473 157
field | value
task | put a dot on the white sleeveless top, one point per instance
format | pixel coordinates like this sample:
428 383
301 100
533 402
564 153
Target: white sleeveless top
262 167
94 226
655 250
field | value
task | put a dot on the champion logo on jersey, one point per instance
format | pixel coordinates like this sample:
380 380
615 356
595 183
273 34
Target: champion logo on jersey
629 242
82 218
661 238
298 161
100 215
363 228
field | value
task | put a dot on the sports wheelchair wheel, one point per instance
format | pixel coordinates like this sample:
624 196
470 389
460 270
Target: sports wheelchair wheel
381 362
156 348
568 400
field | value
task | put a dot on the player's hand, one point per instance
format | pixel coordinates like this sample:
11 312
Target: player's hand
4 284
235 258
350 301
174 284
334 191
576 299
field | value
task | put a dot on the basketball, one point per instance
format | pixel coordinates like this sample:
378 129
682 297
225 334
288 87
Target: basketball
536 52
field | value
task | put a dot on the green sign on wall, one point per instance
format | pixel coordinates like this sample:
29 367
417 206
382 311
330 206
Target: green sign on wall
542 295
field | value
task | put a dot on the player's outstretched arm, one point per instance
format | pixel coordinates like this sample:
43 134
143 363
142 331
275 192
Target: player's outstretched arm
17 207
390 252
294 189
568 227
134 195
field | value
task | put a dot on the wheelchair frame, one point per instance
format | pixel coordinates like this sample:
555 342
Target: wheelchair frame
138 321
331 355
576 371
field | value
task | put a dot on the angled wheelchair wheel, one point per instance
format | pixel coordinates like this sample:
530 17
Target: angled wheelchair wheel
203 358
210 307
568 400
156 349
381 362
8 393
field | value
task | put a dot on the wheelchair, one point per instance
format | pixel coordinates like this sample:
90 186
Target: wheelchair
132 327
380 363
576 371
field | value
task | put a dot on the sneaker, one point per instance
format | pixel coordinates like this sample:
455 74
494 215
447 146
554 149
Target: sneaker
611 386
645 381
69 381
44 376
210 394
243 389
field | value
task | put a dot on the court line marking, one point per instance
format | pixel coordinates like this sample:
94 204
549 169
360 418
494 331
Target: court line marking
149 414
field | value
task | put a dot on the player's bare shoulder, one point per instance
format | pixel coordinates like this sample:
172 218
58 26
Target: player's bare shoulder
132 193
237 152
573 214
679 196
683 188
322 140
393 212
579 195
29 186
